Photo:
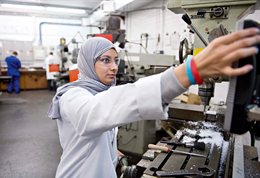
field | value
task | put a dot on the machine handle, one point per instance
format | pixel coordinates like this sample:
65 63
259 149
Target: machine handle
186 19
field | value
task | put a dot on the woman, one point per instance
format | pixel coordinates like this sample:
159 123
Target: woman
89 110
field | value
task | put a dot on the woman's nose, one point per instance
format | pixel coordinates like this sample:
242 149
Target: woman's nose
114 65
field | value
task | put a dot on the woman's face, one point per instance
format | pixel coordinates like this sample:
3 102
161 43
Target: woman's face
106 67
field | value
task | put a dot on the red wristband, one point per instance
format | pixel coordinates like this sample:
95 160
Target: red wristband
195 72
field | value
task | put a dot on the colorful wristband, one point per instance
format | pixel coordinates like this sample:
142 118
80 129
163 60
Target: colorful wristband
189 71
195 72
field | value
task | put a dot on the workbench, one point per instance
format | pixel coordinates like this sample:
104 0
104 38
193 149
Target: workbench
33 78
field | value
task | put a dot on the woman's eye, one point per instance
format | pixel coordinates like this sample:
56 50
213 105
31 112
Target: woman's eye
106 60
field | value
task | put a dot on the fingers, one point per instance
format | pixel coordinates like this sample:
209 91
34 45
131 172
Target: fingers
231 72
217 58
237 45
243 43
237 36
235 55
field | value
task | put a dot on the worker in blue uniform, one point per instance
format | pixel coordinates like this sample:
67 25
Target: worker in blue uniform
13 66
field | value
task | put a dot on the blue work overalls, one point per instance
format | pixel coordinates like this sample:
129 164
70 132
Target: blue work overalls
13 66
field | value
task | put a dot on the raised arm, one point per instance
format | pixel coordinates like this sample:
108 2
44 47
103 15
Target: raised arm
217 58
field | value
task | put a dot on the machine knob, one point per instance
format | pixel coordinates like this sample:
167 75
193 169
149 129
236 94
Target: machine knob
218 11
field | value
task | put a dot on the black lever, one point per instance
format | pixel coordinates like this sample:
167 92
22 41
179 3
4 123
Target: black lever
186 19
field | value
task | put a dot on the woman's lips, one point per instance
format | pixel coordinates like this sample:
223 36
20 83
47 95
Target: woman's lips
111 75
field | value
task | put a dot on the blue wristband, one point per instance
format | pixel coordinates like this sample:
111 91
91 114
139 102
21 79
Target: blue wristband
188 70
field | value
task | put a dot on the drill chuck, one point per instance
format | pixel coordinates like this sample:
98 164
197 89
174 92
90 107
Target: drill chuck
206 91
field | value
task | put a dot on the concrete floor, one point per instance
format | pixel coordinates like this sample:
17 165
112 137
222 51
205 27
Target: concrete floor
29 144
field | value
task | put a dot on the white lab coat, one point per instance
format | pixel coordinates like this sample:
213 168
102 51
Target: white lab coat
88 132
50 60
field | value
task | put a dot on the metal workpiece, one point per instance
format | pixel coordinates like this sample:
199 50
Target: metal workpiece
186 111
191 112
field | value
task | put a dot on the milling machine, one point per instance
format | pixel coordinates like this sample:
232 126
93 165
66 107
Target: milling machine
210 19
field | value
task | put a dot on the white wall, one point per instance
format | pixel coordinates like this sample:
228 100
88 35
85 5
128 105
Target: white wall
17 30
158 22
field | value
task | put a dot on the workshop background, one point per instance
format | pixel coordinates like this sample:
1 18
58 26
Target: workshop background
148 35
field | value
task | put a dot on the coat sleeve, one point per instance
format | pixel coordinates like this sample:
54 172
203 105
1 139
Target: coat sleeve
18 64
92 115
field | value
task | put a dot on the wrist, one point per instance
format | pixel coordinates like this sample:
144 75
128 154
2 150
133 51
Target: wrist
180 74
192 72
200 65
195 72
188 68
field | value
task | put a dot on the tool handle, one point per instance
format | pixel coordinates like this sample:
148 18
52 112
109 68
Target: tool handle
173 143
157 147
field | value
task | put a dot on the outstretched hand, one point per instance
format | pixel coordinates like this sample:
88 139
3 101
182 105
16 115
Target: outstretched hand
217 58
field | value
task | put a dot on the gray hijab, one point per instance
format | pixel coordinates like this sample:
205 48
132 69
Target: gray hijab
90 50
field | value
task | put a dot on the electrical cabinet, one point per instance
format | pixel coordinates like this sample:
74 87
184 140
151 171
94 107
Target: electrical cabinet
135 137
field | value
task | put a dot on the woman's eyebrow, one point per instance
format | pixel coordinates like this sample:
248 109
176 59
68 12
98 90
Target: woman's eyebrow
106 56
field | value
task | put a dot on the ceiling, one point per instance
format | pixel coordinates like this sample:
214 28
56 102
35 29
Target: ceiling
82 4
88 5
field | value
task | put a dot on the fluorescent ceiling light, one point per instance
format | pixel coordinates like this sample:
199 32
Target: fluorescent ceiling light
121 3
67 10
42 8
23 6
